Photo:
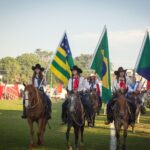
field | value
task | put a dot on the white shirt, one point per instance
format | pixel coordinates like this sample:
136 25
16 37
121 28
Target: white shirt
36 83
95 84
116 84
83 84
137 86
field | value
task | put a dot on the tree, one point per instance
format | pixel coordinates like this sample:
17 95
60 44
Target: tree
44 55
83 61
11 69
26 62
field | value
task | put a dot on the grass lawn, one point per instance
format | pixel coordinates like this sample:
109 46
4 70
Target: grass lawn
14 132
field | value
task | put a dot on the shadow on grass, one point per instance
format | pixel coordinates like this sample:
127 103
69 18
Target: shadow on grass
14 133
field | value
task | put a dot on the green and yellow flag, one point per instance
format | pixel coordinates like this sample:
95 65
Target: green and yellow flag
143 62
62 61
101 65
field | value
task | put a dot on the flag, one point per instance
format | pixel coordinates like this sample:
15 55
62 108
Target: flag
101 65
62 61
143 62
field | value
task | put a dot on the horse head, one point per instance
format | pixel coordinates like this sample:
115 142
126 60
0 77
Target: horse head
30 93
122 104
73 97
75 108
120 92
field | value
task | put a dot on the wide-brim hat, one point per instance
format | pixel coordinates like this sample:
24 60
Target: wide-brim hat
77 69
37 66
92 75
120 69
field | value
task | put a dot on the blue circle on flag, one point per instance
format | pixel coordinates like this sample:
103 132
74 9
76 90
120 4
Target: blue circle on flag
104 69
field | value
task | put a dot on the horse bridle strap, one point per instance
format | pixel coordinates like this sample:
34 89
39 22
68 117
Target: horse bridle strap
32 107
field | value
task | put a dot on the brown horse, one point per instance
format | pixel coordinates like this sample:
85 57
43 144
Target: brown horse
121 114
76 119
135 98
146 98
35 109
95 104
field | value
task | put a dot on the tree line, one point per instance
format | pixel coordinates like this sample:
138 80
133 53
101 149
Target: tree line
18 69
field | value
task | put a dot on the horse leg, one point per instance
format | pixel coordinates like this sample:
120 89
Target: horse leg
76 132
44 127
39 134
117 128
30 122
82 140
44 122
94 120
67 137
124 136
138 117
133 128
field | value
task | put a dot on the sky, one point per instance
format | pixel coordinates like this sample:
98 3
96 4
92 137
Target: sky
26 25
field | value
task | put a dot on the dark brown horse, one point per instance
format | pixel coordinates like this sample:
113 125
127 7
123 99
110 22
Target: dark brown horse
35 109
135 98
76 119
121 112
95 104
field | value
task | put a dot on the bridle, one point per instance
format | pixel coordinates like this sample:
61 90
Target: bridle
38 100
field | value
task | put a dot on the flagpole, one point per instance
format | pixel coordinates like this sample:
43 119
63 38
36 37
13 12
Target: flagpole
141 50
100 39
50 61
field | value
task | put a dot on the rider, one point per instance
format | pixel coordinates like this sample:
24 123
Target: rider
39 81
120 83
94 84
77 83
134 87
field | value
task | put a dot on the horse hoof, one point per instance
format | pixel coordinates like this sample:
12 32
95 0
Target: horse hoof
123 147
81 143
133 131
31 146
39 143
70 148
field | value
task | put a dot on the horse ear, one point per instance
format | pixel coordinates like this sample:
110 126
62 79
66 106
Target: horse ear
24 84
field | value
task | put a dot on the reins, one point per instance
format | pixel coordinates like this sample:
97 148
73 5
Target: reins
32 107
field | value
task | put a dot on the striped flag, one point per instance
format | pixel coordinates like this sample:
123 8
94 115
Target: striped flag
62 61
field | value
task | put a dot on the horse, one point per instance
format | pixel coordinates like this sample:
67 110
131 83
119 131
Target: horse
146 98
121 112
35 110
95 104
76 119
135 97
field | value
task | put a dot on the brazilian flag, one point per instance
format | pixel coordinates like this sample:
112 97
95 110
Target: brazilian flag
101 65
62 61
143 62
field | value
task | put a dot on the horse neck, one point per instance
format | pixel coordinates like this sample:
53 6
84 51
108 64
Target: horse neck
125 107
37 98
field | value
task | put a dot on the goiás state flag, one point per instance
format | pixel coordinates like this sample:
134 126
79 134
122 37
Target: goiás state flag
62 61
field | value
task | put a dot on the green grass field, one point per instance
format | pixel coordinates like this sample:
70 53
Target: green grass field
14 131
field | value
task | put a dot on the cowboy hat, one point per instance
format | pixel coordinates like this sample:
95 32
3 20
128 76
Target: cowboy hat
120 69
77 69
37 66
92 75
